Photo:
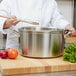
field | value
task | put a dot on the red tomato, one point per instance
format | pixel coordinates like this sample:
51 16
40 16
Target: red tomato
74 34
3 54
12 53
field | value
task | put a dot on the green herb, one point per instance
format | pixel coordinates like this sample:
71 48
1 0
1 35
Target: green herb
70 53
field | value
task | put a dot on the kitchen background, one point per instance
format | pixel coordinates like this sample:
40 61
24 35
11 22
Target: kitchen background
67 8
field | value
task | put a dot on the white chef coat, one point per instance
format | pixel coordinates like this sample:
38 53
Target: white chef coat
45 12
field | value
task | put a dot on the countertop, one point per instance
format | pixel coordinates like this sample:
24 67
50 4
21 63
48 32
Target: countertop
68 73
30 66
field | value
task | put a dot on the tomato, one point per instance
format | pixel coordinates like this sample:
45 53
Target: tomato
74 34
3 54
12 53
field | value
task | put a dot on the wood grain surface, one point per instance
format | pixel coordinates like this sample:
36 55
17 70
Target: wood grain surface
70 40
23 65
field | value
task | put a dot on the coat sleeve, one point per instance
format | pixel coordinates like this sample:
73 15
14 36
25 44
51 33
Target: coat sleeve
57 18
4 11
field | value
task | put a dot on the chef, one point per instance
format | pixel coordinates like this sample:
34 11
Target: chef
45 12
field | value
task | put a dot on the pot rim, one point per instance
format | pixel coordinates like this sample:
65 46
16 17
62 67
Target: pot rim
42 30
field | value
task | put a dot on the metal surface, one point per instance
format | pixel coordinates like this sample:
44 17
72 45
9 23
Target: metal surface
41 43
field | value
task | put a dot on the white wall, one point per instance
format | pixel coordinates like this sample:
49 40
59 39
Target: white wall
66 7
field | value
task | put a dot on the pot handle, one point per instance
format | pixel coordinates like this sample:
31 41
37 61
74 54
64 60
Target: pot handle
68 34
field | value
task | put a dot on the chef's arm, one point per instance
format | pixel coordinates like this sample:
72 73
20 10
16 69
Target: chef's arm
4 11
59 21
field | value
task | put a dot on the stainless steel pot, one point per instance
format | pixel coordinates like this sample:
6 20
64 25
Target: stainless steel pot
43 43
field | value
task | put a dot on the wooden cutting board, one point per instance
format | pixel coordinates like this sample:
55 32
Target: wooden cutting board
70 40
23 65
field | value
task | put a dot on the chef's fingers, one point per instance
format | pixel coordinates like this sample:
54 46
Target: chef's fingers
9 22
16 22
69 28
12 17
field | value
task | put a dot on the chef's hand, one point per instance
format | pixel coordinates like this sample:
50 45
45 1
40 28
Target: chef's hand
11 21
69 28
